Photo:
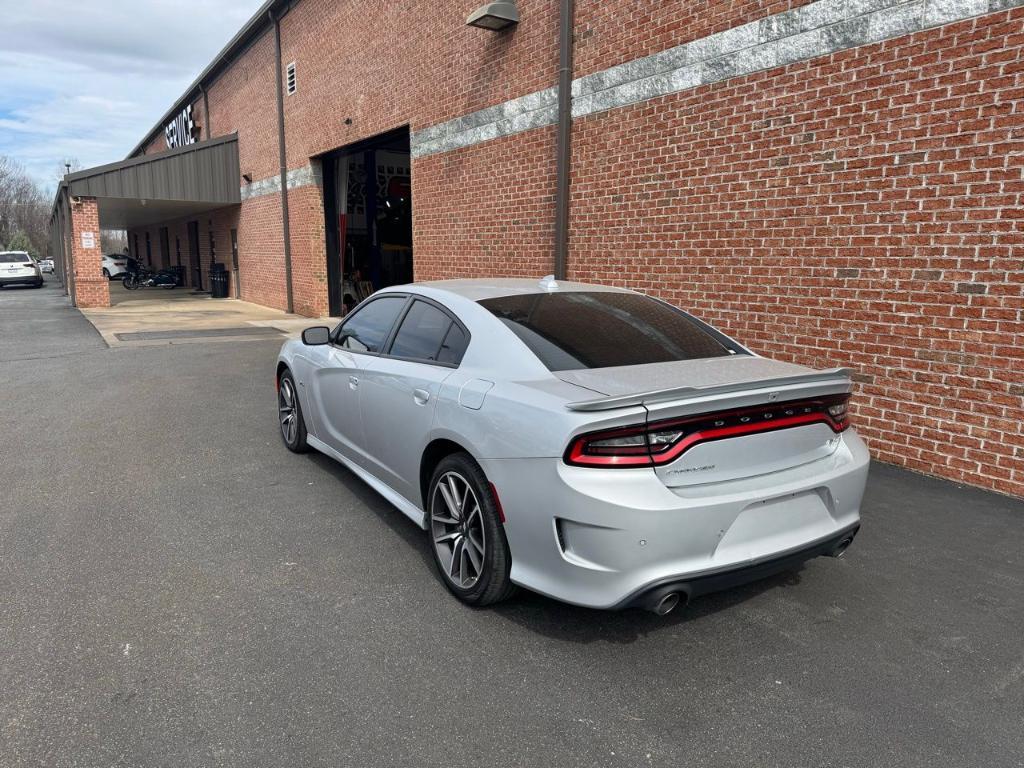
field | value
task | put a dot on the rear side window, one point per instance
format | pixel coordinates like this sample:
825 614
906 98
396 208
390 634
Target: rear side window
368 328
598 329
422 332
454 346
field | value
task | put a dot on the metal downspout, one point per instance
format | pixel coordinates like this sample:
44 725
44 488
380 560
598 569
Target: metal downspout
283 164
564 149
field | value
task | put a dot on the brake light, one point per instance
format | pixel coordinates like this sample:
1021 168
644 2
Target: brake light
661 442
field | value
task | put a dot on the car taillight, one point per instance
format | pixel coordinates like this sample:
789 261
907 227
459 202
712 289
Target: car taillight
660 442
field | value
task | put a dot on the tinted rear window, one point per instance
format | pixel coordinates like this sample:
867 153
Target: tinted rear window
14 257
569 331
421 333
454 346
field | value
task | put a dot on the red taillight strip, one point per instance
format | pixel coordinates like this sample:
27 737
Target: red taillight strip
707 435
575 454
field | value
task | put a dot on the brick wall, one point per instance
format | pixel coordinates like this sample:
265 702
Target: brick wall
610 33
384 65
467 225
861 209
90 287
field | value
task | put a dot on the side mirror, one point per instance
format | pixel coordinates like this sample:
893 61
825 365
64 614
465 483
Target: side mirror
317 335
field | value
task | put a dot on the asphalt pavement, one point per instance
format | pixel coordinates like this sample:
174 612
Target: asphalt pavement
176 589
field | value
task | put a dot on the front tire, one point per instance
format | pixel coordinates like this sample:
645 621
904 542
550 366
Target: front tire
106 273
289 415
466 533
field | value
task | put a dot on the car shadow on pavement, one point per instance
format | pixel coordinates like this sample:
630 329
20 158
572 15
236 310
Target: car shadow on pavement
572 623
407 530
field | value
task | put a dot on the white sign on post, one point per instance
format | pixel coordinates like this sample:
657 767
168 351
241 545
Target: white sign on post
88 240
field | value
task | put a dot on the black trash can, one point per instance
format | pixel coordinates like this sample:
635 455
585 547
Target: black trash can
179 275
218 282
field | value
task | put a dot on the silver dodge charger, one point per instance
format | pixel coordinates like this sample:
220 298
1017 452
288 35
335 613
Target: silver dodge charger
588 443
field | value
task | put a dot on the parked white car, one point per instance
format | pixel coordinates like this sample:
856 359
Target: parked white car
46 266
18 268
114 265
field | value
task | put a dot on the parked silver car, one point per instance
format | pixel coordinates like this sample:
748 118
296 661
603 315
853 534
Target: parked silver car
589 443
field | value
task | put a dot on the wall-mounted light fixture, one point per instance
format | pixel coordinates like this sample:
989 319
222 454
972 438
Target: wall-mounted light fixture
247 178
494 16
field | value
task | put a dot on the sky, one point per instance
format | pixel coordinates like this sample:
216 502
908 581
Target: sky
87 80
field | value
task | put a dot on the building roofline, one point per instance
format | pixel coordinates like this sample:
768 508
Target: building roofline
139 160
252 29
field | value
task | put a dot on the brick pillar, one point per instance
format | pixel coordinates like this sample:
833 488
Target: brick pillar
91 288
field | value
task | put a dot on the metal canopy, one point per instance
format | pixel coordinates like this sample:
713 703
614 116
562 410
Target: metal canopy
164 186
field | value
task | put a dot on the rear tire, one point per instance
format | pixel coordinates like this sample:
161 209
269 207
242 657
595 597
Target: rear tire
289 415
466 533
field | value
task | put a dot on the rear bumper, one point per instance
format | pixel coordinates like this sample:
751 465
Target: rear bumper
694 585
606 538
26 280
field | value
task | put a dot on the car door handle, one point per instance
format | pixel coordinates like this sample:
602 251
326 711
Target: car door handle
420 396
353 382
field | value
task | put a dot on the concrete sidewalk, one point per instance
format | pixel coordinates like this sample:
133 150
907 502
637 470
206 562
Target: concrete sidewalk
156 316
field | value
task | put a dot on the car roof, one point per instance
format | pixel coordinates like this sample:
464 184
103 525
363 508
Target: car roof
477 289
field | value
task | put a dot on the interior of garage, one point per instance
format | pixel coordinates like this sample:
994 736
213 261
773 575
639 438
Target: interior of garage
368 218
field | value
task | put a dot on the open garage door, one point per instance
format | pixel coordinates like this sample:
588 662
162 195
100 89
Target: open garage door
368 209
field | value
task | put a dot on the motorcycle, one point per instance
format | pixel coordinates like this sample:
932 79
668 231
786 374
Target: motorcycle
145 278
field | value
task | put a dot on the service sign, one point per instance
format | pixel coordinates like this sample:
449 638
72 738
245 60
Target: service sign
88 240
181 130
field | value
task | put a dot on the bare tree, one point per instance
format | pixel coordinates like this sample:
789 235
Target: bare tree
70 165
24 208
113 240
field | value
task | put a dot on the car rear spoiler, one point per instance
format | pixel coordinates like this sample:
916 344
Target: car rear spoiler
837 377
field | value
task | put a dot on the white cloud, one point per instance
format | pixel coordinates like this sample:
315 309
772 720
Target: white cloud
87 80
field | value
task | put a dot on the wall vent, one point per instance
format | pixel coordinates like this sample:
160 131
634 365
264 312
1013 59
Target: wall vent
290 78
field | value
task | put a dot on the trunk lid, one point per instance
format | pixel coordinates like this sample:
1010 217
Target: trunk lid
738 416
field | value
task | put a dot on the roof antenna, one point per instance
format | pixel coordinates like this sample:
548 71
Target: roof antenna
548 283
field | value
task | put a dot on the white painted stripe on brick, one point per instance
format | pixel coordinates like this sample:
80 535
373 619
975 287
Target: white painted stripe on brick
305 176
813 30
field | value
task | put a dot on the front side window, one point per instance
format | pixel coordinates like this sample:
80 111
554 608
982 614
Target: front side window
422 333
602 329
368 328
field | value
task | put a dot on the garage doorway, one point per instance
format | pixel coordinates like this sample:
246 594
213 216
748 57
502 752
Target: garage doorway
368 210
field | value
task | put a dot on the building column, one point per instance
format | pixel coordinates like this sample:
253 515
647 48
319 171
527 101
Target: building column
91 289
